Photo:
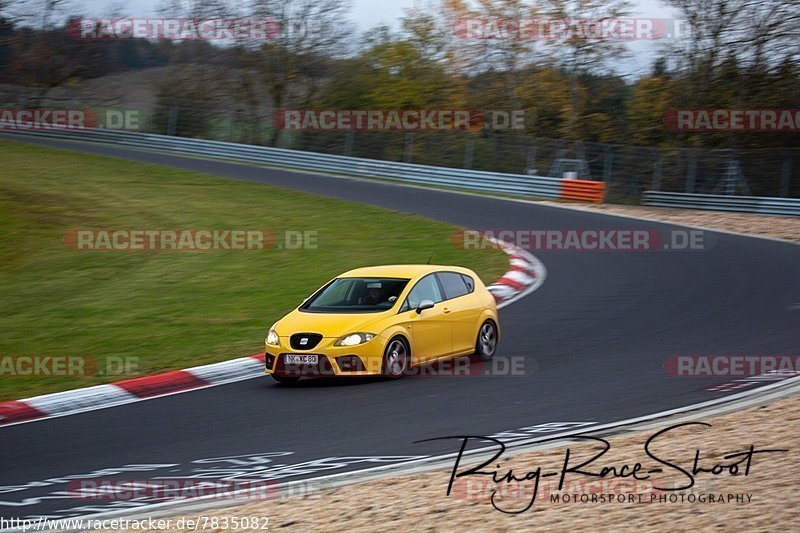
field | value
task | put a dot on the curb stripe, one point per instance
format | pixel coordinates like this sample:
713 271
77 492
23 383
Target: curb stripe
513 284
11 412
502 292
149 386
523 269
523 278
228 370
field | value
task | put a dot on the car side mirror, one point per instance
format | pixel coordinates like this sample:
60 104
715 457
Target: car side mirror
423 305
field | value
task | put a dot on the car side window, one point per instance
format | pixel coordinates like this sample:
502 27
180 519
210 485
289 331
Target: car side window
469 281
426 289
453 284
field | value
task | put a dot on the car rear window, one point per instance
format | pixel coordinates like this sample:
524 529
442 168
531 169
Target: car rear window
453 284
469 281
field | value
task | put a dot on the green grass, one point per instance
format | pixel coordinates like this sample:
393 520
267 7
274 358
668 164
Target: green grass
172 309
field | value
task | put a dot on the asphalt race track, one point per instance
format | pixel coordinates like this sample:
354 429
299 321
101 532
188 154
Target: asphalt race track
595 338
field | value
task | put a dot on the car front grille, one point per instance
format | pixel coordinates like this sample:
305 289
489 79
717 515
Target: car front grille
305 341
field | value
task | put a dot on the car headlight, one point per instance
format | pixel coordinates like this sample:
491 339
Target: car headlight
272 338
354 339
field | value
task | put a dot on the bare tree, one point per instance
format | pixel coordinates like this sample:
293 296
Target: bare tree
488 37
43 57
293 66
758 35
200 9
587 44
41 14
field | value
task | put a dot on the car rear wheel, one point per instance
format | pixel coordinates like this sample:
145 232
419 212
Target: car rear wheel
285 380
396 359
486 344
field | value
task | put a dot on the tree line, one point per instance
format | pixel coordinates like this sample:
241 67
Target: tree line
738 54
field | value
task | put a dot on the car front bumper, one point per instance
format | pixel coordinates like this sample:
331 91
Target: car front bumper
362 360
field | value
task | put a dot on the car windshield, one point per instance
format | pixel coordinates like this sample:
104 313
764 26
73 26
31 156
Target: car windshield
356 295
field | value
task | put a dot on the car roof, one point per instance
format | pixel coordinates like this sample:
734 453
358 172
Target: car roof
402 271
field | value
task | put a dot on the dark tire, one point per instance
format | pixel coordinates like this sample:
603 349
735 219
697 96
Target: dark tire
285 380
486 345
396 358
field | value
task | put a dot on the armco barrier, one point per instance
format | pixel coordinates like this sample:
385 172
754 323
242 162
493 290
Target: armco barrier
738 204
495 182
583 191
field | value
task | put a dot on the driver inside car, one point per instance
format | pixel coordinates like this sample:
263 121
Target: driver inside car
374 296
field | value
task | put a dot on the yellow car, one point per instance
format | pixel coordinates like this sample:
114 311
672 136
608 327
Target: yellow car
384 320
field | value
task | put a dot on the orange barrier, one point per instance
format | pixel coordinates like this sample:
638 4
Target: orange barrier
583 191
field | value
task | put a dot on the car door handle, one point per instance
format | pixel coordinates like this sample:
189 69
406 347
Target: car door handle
446 310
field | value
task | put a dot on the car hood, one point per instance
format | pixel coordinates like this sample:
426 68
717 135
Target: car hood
330 324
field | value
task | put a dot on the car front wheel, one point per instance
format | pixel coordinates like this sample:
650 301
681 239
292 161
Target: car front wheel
396 359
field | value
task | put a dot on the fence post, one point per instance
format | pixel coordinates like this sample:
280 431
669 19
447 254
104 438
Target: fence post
348 142
172 125
229 128
691 171
409 148
608 164
469 152
786 172
531 165
656 185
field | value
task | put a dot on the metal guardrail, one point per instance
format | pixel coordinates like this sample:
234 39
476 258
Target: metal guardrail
739 204
513 184
474 180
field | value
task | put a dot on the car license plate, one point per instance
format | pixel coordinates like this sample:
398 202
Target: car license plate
292 359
